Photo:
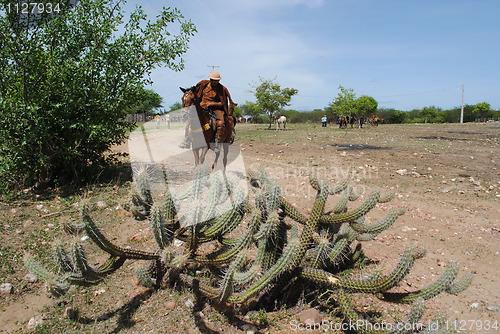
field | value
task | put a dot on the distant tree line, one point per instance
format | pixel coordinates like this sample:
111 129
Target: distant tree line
347 104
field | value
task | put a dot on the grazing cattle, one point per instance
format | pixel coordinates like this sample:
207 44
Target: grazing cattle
201 132
241 119
280 120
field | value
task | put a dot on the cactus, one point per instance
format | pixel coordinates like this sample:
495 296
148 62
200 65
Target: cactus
268 250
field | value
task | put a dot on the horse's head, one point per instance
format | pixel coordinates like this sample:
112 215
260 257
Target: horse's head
189 98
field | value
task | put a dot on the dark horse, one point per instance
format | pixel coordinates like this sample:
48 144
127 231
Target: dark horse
201 130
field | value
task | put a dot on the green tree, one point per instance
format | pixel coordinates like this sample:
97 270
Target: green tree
67 80
344 104
237 112
482 111
148 101
366 105
271 98
175 106
250 109
428 113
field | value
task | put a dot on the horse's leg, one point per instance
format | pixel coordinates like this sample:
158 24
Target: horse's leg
196 156
224 157
203 154
217 154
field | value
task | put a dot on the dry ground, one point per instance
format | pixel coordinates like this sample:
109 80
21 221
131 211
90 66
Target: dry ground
446 177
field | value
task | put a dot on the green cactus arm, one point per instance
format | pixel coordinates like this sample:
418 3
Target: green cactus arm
81 266
426 293
245 277
226 286
341 205
366 236
339 187
366 286
312 223
201 285
102 242
314 182
354 195
387 197
357 254
225 257
319 254
283 264
56 285
380 226
351 216
269 228
224 223
229 241
291 212
273 195
169 209
352 317
338 250
192 240
461 285
85 274
63 260
144 277
386 282
411 324
161 233
37 269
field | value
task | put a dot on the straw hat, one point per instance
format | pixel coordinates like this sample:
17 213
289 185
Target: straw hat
215 76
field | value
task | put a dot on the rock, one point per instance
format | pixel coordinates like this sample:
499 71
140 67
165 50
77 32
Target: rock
249 329
6 289
402 171
189 303
310 317
33 322
493 308
30 278
449 189
102 205
170 305
27 223
251 315
71 313
474 305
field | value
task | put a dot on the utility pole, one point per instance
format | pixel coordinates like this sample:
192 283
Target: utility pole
213 67
462 111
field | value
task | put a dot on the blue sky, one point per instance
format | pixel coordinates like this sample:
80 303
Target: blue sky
405 54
